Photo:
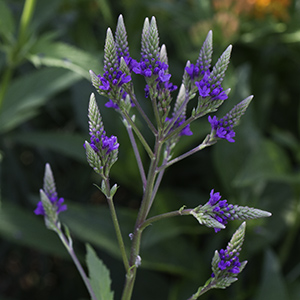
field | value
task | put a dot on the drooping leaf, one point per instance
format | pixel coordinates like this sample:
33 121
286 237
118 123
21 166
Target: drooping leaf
68 144
28 93
59 54
25 228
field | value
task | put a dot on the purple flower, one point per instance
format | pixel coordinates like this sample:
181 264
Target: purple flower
193 71
103 144
154 68
57 204
185 131
111 104
229 262
110 143
222 129
221 210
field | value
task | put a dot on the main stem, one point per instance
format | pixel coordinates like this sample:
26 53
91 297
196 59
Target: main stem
143 212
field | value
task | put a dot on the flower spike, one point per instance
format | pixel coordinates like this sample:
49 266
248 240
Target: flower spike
216 212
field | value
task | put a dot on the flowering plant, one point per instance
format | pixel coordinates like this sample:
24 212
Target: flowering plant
171 122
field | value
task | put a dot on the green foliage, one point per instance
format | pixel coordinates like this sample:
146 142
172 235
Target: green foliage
99 275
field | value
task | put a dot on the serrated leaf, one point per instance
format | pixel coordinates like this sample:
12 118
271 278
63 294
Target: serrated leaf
99 275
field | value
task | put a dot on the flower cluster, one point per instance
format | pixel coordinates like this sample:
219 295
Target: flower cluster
229 262
50 205
216 212
57 204
223 211
101 151
156 70
102 142
222 128
208 86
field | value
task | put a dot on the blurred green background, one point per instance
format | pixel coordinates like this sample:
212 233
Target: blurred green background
44 61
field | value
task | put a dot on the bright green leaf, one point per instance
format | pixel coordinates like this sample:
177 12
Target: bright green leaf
99 275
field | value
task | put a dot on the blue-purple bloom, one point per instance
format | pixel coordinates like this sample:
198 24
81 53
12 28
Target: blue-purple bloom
222 128
208 89
103 143
229 262
223 211
156 69
185 131
57 204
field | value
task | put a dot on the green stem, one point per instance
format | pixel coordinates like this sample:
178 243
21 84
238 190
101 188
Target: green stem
137 156
5 83
142 215
207 142
145 117
80 269
13 59
202 290
117 227
25 20
138 133
180 212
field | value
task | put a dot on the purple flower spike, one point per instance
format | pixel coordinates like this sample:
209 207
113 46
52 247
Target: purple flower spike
50 205
222 129
229 262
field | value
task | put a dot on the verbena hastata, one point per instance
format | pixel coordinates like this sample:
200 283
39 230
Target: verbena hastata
168 124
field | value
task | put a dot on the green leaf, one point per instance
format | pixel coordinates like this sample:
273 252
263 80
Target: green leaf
58 54
272 285
267 162
25 228
99 275
28 93
68 144
7 24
